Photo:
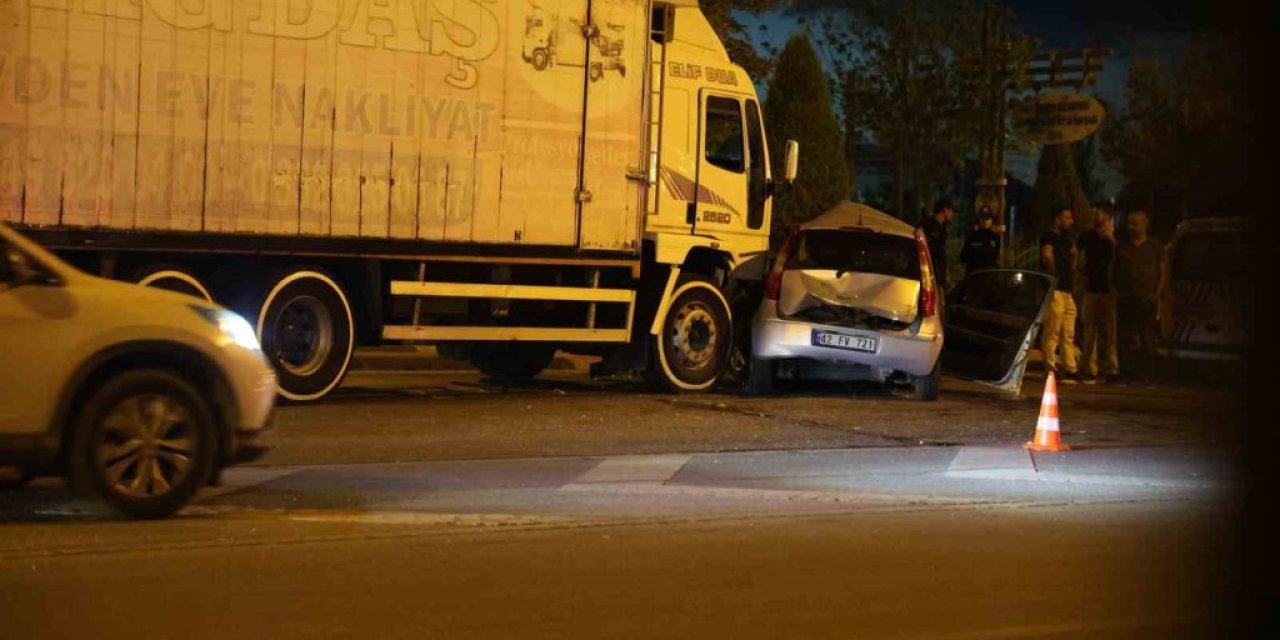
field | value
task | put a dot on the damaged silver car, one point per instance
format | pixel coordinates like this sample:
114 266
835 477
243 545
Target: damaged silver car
852 296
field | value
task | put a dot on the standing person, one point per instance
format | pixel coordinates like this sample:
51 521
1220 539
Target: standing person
982 246
1098 248
1139 280
935 233
1058 257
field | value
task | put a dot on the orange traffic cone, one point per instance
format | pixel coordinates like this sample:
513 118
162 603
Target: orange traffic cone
1048 438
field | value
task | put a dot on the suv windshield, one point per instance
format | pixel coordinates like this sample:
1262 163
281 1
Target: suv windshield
855 250
1211 256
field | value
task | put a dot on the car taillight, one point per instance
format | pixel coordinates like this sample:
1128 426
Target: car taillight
773 285
928 292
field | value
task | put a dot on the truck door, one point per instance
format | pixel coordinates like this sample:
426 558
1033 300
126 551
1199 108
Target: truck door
721 180
611 204
991 319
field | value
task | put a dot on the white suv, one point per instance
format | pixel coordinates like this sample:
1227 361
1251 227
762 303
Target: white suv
139 396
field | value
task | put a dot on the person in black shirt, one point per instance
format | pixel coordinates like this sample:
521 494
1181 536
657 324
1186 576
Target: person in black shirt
1098 247
982 246
1058 257
935 233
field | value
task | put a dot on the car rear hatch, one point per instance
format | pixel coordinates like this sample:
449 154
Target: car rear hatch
851 277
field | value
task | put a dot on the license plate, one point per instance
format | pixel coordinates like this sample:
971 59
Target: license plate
844 341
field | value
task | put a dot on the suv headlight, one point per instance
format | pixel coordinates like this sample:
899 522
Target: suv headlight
234 328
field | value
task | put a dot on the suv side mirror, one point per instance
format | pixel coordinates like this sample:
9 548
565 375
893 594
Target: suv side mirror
791 162
16 270
8 271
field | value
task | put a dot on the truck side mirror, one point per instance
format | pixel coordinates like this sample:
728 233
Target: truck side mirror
791 162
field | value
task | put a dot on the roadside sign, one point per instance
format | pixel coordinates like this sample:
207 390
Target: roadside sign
1058 117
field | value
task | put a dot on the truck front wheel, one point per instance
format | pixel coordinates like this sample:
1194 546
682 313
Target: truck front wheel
306 330
693 342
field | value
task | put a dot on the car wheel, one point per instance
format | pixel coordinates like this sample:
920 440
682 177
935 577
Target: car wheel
694 339
737 369
144 443
513 360
307 333
925 388
760 377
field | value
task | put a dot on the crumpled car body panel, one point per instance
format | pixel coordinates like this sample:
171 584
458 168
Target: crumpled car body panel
892 298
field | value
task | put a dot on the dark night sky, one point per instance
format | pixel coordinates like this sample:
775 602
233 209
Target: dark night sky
1113 22
1153 29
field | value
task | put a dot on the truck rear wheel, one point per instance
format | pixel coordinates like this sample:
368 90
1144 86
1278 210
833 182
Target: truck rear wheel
171 278
512 360
306 330
693 342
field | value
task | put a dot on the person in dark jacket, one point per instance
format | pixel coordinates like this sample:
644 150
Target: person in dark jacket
935 234
982 246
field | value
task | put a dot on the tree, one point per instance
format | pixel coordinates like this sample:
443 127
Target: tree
1181 139
734 35
926 80
1085 155
852 126
1057 185
798 107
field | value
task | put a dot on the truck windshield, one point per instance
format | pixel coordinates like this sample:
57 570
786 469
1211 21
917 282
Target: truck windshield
857 251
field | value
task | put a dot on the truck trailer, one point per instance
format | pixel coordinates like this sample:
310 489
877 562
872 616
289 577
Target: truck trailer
354 172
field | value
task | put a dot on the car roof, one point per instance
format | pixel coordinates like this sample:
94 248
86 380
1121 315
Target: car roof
1234 223
848 215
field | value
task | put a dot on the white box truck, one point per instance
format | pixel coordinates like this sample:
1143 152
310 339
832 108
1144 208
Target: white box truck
502 178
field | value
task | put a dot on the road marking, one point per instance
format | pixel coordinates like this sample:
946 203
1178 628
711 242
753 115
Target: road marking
1059 629
423 518
993 463
1016 463
756 495
633 469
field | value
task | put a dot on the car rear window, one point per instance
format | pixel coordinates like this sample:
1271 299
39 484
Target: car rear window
1209 256
855 250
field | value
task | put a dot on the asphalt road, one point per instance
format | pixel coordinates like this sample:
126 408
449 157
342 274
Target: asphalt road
434 504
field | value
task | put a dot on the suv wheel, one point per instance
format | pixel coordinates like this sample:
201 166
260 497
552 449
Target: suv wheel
144 443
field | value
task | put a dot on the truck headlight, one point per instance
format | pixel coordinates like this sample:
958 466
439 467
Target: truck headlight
234 328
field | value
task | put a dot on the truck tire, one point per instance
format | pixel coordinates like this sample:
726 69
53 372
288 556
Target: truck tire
307 333
694 338
171 278
512 361
144 443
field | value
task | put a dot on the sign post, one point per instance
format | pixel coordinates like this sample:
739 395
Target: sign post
1060 117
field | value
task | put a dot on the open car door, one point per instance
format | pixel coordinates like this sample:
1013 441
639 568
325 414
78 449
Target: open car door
991 319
